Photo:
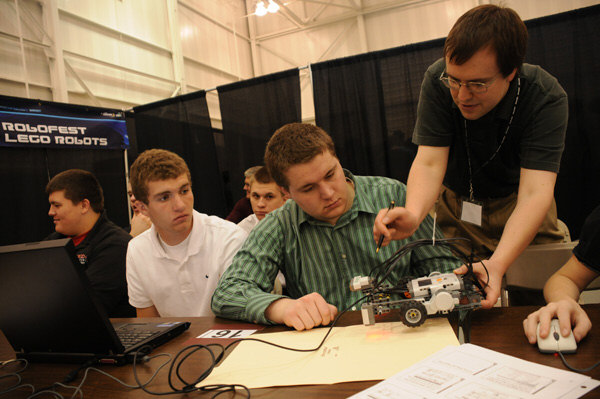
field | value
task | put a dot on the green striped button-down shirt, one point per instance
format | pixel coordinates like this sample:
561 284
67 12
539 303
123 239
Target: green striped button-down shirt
315 256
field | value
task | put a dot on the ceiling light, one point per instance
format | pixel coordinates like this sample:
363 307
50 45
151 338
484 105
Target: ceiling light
261 9
273 7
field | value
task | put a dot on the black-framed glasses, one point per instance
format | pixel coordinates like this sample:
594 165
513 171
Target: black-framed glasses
473 87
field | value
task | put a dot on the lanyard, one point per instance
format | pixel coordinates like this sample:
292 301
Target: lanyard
471 192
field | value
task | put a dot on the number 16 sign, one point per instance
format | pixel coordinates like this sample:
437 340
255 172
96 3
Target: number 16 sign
227 334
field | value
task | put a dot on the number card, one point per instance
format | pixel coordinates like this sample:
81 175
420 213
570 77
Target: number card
224 333
227 334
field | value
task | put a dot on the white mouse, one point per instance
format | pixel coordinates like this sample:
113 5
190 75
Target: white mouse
555 342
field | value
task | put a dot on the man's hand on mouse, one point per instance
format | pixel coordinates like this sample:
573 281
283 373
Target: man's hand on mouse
568 312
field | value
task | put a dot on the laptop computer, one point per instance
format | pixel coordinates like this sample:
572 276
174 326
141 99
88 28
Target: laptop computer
49 313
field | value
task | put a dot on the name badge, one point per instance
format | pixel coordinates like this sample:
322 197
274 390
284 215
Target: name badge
471 212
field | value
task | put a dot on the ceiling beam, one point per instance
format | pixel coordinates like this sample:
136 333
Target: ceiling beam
391 5
209 18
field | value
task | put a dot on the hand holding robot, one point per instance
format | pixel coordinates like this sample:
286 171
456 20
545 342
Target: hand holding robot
417 298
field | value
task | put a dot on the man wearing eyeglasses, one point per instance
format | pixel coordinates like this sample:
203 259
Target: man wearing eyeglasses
491 132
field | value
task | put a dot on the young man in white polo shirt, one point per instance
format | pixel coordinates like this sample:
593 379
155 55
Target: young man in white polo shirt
173 268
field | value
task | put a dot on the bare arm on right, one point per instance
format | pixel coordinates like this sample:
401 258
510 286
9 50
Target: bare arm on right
424 181
562 294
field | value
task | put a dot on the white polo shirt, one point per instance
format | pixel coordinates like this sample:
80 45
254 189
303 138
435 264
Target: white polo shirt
182 288
248 223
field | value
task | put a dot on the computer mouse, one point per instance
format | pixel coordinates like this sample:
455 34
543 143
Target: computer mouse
555 342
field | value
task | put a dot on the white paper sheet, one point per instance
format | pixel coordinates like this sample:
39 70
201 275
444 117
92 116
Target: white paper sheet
472 372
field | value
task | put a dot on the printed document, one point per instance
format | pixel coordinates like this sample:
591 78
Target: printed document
472 372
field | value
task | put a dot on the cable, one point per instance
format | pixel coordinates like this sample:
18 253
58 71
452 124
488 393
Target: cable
434 223
46 391
77 389
186 352
73 374
381 272
217 351
16 386
5 363
385 269
14 374
305 350
577 370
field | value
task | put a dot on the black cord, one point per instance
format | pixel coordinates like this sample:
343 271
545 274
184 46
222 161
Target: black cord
69 378
73 374
384 270
330 328
217 352
176 364
577 370
216 358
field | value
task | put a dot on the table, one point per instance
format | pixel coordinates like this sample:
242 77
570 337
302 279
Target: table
499 329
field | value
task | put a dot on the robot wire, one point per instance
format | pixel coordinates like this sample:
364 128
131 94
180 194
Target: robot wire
384 269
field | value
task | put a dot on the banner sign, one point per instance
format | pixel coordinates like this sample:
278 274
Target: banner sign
43 124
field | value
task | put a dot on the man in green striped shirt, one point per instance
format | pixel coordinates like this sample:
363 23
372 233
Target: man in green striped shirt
320 239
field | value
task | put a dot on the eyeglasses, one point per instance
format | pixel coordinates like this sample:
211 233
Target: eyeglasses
473 87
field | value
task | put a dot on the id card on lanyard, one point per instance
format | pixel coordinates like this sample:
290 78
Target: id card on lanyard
471 212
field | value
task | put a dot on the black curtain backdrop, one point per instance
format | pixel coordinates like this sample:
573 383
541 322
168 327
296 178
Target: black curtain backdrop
24 209
368 104
251 111
182 125
349 105
568 46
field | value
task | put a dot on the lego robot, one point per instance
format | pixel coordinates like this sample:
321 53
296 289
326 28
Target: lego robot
419 298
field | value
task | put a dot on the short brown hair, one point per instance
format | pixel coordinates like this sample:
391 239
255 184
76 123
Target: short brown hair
501 28
155 165
262 176
293 144
78 185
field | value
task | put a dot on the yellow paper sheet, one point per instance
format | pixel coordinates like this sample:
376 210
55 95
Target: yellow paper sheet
354 353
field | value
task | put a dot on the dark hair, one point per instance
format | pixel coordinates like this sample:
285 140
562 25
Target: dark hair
293 144
78 185
501 28
155 165
262 176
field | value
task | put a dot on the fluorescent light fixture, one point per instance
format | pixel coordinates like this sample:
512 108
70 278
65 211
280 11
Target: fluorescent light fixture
261 10
273 7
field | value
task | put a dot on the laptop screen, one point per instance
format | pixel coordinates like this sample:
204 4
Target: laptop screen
47 304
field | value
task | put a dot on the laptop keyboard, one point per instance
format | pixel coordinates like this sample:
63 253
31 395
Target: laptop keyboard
131 337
